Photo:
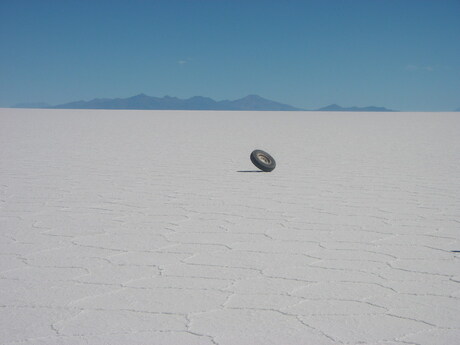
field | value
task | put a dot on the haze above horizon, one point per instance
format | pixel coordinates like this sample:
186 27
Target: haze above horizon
400 54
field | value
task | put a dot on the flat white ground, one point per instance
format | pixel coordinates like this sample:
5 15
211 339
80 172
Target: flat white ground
152 227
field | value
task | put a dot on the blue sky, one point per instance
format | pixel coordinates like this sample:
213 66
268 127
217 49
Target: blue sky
402 54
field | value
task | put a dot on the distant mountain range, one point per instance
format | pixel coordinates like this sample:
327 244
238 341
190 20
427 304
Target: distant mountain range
144 102
335 107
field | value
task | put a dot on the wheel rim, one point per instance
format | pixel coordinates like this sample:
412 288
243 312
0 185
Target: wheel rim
264 158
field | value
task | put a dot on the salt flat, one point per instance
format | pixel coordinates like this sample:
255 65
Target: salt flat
152 227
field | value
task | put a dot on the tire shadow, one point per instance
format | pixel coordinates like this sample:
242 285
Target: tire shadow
249 171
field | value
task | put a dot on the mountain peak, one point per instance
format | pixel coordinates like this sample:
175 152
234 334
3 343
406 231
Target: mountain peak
332 107
252 97
139 96
256 102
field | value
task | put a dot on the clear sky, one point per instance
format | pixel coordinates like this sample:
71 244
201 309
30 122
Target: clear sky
401 54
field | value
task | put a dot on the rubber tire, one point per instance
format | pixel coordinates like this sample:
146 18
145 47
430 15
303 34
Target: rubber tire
262 160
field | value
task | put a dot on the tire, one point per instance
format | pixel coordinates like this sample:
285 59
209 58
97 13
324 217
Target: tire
263 160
